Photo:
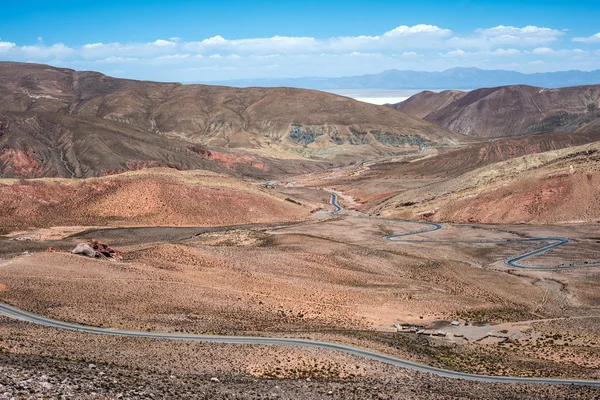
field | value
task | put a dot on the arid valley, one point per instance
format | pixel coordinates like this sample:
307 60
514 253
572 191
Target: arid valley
191 241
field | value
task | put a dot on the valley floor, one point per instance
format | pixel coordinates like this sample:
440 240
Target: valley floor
330 279
303 273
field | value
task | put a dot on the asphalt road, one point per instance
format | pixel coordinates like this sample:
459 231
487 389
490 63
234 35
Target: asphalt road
39 320
25 316
554 242
335 204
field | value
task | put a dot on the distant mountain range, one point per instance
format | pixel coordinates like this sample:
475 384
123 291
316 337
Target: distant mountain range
455 78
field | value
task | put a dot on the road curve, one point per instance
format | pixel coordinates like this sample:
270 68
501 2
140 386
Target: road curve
36 319
335 204
554 242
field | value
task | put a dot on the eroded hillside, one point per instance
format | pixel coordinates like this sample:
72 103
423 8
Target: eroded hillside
152 197
509 110
552 187
60 122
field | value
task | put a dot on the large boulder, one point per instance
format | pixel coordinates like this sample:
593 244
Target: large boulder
97 249
85 249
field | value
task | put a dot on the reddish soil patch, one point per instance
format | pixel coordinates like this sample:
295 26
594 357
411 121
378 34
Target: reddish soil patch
229 161
20 163
144 200
569 197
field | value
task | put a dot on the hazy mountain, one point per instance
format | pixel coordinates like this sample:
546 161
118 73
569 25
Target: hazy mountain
455 78
509 110
60 122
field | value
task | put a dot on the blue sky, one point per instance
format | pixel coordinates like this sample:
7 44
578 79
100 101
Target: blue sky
204 41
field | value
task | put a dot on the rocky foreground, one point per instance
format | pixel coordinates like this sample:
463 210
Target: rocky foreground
25 377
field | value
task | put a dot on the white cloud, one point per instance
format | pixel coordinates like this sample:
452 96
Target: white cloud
151 49
359 54
404 39
163 43
590 39
507 35
173 57
41 52
6 46
456 53
404 30
401 37
546 51
93 45
117 60
420 47
278 44
265 56
506 52
528 31
215 40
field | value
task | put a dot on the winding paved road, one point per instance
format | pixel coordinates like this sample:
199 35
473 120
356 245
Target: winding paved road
513 262
335 204
39 320
25 316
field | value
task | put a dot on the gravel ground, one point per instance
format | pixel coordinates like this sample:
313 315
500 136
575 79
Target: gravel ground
27 377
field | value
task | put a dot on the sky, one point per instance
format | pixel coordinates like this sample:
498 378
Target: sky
203 41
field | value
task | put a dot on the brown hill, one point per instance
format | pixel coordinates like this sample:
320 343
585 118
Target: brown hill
60 122
141 198
372 183
459 161
509 110
423 103
551 187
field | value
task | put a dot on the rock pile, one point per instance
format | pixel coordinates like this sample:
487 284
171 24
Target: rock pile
97 249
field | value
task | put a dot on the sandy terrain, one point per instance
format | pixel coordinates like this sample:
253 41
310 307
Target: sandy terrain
532 189
262 281
43 362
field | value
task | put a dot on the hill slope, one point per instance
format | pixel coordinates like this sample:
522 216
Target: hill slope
424 103
160 197
60 122
508 110
551 187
